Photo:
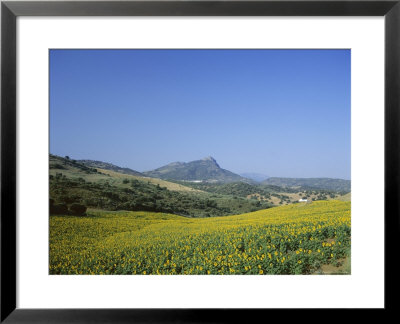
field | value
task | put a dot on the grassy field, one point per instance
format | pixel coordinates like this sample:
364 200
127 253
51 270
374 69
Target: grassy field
292 239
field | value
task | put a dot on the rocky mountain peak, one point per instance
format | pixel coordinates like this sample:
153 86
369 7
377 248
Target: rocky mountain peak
209 158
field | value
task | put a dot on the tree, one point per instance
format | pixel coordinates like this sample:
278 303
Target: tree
60 209
77 209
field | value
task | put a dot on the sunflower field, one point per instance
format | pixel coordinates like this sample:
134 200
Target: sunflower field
292 239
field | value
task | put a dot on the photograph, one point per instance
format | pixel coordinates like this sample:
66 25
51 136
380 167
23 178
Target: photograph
199 161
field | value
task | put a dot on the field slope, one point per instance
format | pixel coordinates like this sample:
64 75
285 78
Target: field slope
292 239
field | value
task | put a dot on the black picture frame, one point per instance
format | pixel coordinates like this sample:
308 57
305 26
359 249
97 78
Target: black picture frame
10 10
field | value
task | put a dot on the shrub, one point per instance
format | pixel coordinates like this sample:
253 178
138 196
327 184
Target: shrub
77 209
58 209
56 166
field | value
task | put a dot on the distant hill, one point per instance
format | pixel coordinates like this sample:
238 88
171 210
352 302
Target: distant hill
258 177
206 169
109 166
66 164
238 189
311 183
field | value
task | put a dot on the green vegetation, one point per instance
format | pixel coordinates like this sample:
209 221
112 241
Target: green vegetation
59 163
62 209
109 166
240 189
103 191
75 170
218 188
74 183
337 185
268 193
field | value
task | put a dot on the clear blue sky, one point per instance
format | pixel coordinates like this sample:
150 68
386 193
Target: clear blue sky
277 112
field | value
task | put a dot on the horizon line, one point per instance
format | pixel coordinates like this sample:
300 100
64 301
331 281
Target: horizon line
238 173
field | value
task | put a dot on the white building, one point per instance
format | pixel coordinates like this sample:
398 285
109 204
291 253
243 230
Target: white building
302 200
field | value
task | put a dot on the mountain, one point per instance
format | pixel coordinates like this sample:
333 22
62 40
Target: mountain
311 183
206 169
258 177
109 166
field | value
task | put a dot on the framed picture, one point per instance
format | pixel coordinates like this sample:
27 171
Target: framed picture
180 155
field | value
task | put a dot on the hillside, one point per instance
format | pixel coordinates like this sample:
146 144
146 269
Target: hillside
74 170
165 184
75 183
206 169
274 195
338 185
79 183
240 189
109 166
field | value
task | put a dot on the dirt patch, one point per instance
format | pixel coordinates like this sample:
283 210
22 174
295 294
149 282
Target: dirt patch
343 267
169 185
346 197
